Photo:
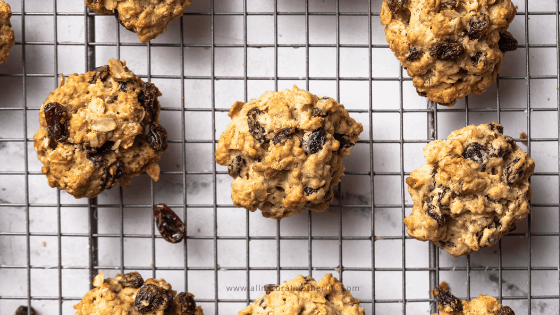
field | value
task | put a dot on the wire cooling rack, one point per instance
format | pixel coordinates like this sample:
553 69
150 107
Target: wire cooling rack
52 245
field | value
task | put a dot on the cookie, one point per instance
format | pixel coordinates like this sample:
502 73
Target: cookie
285 151
448 304
99 129
473 189
450 48
147 18
7 39
130 294
304 295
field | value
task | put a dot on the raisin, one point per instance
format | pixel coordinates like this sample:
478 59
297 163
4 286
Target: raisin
511 142
148 99
258 131
449 4
268 288
96 154
478 153
496 127
112 173
313 142
477 58
283 135
132 280
234 168
445 298
506 310
309 191
187 303
57 119
123 87
344 141
157 137
169 224
317 112
23 310
166 299
447 50
492 199
421 93
413 54
396 5
148 297
507 42
433 213
116 13
261 302
478 26
514 171
446 244
101 73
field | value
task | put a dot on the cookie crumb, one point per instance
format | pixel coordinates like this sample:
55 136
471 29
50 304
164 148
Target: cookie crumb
523 135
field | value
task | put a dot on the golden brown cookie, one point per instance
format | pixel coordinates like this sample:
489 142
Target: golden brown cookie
147 18
472 190
450 48
99 129
7 39
129 294
482 305
285 151
306 296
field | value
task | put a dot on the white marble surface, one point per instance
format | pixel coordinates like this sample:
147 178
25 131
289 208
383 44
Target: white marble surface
517 250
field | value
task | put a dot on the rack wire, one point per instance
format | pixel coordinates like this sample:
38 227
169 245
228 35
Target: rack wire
435 118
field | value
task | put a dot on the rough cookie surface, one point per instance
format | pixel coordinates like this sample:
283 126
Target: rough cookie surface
129 294
450 48
92 132
448 304
306 296
147 18
472 190
285 151
7 39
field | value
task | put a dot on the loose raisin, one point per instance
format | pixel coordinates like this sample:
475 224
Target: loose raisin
449 4
344 141
112 173
477 58
96 154
57 119
187 303
157 137
116 13
413 54
309 191
148 298
507 42
169 224
101 73
313 141
268 288
23 310
478 26
396 5
255 128
514 171
132 280
447 50
478 153
283 135
148 99
506 310
445 298
235 167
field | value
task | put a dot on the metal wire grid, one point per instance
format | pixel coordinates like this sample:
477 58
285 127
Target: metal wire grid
434 269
